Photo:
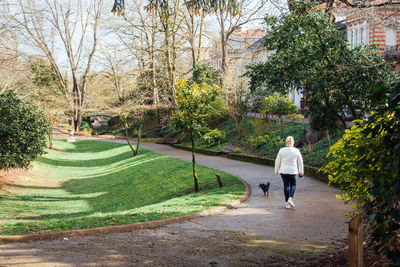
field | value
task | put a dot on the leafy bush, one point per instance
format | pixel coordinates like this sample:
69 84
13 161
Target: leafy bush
259 126
85 126
214 137
217 111
23 131
168 131
365 167
258 141
268 144
275 143
295 129
317 157
228 127
205 73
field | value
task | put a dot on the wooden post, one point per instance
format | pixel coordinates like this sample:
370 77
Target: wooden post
356 257
218 179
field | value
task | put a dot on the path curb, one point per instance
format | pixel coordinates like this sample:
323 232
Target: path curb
127 227
198 150
308 170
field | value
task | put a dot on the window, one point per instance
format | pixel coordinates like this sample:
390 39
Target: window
358 34
362 36
390 37
357 41
351 38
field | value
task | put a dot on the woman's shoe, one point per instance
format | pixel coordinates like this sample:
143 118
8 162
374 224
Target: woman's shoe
291 203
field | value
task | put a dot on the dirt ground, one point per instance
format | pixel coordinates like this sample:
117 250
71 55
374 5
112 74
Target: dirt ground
171 246
7 177
259 232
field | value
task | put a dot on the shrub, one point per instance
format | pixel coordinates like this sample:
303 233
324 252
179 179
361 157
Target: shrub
85 126
217 111
258 141
23 131
168 131
259 126
276 143
214 137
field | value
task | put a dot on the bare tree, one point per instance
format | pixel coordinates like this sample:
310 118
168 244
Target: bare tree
193 29
45 24
168 13
124 99
138 33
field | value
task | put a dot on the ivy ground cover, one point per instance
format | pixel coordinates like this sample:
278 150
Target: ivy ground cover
90 184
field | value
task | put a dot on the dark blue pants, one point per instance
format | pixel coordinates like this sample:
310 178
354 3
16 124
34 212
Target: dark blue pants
289 185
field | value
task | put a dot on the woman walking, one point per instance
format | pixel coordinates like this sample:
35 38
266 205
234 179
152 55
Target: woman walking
288 164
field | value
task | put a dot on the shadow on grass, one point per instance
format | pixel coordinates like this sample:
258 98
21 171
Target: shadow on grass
32 186
90 162
121 184
89 146
153 182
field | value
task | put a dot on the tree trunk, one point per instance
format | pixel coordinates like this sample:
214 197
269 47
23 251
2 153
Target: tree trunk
223 51
203 14
192 36
352 109
50 140
79 119
168 60
195 180
242 129
139 138
125 123
309 133
153 65
174 56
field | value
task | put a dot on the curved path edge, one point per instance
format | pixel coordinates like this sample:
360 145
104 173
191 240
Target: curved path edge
127 227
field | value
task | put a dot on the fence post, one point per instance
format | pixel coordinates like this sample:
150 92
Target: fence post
218 177
356 257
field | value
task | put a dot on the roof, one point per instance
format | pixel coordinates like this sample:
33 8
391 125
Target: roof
339 25
250 33
257 44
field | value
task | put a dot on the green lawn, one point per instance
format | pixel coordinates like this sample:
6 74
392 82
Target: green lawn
90 184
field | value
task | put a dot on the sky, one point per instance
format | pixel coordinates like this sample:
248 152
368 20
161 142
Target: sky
212 29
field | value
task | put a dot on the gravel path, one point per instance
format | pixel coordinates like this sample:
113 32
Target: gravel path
258 232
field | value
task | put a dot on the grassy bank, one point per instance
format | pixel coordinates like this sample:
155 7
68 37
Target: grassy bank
264 139
92 184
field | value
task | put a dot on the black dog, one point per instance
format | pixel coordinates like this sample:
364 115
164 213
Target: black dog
265 188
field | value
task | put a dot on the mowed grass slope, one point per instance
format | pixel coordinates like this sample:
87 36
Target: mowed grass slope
90 184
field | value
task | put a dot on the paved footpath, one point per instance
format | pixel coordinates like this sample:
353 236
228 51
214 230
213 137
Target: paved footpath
258 232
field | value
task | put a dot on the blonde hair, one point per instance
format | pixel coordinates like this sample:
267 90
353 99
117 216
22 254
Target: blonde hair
290 141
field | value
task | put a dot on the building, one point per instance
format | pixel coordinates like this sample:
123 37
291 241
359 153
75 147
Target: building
237 45
377 26
244 47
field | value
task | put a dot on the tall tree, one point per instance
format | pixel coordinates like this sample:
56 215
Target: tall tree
170 21
74 24
139 35
231 5
314 56
194 29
